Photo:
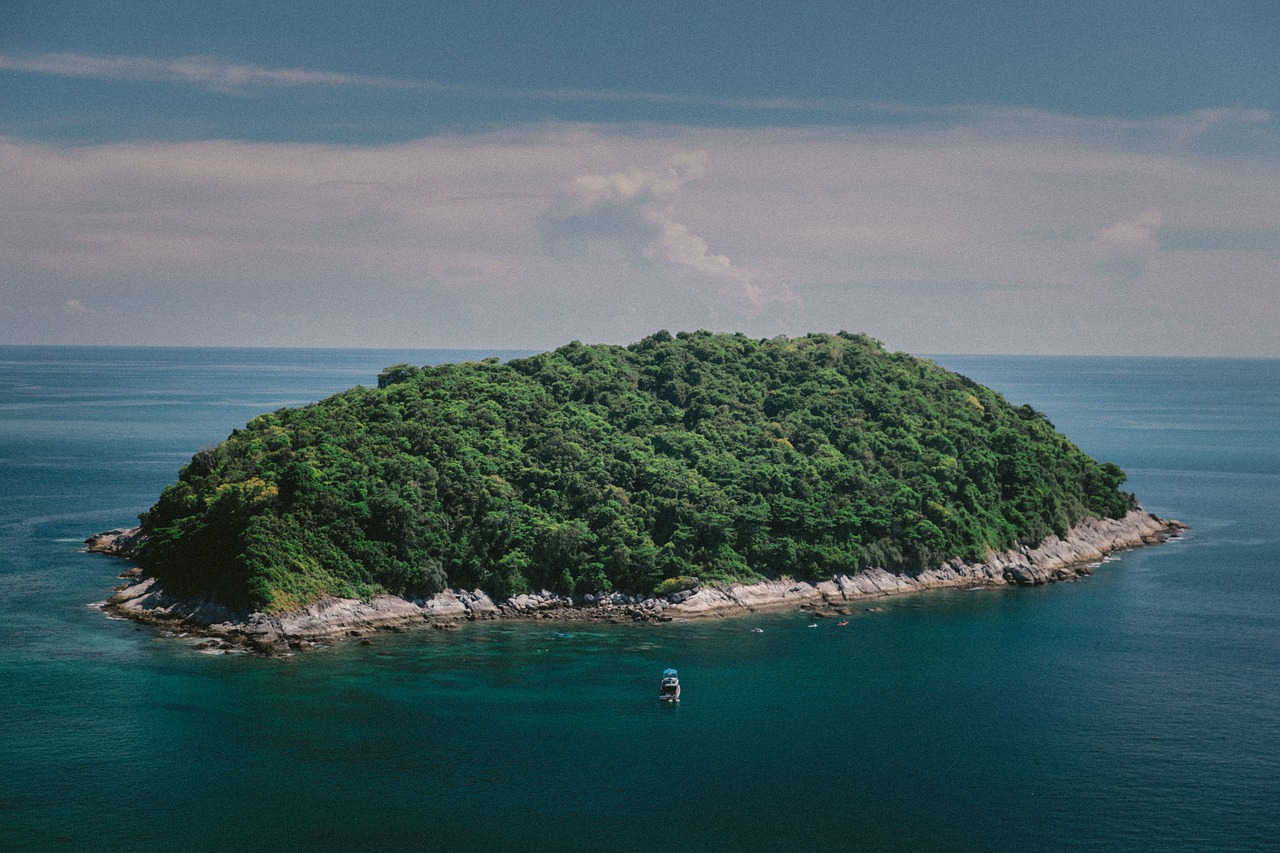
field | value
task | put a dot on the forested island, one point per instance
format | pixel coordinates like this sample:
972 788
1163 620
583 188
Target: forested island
599 470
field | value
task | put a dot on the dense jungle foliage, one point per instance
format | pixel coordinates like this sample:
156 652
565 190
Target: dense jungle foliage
602 467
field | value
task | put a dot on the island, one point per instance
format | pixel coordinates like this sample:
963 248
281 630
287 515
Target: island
690 475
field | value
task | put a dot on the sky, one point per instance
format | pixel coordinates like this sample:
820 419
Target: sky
968 177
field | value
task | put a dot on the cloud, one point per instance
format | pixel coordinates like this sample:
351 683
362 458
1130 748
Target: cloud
206 71
1041 238
1136 234
74 307
635 210
1128 246
224 75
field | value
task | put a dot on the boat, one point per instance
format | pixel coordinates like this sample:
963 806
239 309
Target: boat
670 689
842 623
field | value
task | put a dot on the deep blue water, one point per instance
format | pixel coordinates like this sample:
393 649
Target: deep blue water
1136 710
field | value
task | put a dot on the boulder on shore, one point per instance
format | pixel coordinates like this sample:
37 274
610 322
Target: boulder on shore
121 542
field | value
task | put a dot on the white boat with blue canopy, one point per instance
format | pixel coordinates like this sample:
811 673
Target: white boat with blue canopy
669 691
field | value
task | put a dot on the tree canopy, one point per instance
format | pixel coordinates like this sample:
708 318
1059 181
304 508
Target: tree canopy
599 467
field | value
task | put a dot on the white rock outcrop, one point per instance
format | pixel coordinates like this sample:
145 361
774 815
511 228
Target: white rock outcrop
1053 559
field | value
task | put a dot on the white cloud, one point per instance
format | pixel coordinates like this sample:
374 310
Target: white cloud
1000 237
635 186
227 75
636 210
1136 234
1127 247
201 70
677 244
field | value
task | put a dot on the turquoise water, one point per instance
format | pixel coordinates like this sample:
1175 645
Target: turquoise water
1136 710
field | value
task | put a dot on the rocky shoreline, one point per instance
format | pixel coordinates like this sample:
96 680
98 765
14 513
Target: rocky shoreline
329 619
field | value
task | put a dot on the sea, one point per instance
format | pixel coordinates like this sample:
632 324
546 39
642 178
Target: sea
1135 710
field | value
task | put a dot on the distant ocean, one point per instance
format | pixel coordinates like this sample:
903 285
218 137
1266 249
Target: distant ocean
1136 710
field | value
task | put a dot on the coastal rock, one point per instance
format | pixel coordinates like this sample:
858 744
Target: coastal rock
530 603
121 542
480 606
1052 560
445 606
343 615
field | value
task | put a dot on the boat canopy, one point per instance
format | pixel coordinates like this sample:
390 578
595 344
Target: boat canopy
669 673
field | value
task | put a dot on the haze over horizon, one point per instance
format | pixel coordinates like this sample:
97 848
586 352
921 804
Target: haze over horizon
1086 178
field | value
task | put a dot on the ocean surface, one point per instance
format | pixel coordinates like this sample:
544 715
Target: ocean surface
1136 710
